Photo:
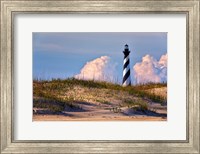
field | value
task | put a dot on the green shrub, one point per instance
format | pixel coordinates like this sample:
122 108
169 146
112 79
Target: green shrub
136 104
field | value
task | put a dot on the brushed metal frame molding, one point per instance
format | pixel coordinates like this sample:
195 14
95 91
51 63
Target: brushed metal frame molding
9 8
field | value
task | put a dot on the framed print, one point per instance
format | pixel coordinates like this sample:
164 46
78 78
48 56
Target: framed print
99 76
92 93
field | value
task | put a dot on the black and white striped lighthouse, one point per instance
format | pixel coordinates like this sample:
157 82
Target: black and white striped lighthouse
126 69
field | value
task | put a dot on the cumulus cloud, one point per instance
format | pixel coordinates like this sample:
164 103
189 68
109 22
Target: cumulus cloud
101 69
151 70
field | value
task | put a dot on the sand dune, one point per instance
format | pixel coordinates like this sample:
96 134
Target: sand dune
80 103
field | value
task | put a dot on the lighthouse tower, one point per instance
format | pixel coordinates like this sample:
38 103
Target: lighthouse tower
126 70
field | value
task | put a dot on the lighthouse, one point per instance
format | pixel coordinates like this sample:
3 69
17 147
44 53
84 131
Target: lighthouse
126 68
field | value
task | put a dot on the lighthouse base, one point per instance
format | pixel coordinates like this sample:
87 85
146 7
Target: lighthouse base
126 83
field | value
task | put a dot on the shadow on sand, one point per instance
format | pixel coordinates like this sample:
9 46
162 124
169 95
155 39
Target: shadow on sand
52 107
131 112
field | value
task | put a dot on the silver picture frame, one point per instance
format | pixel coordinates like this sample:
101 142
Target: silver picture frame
9 8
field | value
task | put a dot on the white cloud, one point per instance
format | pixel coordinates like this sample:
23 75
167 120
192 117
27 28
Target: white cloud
151 70
101 69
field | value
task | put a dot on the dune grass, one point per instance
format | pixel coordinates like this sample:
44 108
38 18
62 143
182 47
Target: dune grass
53 93
58 84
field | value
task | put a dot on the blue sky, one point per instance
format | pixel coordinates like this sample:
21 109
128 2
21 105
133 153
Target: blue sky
63 55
